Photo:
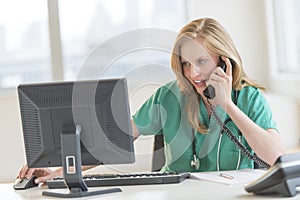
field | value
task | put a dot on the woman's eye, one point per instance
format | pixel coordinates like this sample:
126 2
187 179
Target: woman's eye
185 64
201 61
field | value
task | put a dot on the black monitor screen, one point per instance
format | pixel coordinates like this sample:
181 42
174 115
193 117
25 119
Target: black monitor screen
100 107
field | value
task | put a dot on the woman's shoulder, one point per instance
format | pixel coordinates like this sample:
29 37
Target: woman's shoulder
168 92
170 87
251 95
250 91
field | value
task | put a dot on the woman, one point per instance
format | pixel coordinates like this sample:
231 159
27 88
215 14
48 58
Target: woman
179 110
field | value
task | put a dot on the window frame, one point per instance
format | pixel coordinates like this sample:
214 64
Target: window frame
277 70
55 44
55 41
283 83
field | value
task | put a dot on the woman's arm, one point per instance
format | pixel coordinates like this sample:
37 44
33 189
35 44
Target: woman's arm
135 131
265 143
44 174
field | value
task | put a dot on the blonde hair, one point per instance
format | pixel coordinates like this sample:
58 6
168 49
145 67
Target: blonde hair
216 39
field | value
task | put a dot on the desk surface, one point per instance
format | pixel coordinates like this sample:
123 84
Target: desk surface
188 189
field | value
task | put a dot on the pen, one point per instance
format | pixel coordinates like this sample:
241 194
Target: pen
226 176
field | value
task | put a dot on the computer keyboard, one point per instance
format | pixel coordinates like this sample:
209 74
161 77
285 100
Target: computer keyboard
97 180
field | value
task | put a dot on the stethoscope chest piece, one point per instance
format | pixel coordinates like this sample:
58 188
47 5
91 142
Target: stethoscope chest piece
195 163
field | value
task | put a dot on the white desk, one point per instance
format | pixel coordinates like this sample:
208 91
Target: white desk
187 190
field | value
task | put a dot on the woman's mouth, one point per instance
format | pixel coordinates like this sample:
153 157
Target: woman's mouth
199 83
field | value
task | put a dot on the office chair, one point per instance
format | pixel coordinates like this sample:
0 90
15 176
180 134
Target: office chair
158 157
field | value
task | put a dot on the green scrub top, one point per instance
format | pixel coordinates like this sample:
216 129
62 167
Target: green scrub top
164 113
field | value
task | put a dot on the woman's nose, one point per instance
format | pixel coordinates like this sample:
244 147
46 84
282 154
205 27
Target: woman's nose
194 71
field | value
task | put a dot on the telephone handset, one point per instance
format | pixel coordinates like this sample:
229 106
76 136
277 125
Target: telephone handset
209 92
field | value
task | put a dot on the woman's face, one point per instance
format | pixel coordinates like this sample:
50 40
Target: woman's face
197 63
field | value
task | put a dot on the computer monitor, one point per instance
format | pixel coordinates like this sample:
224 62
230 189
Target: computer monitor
85 121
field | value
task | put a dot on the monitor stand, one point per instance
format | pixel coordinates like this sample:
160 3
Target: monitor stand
71 160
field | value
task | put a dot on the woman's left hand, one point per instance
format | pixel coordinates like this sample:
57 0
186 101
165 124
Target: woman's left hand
222 82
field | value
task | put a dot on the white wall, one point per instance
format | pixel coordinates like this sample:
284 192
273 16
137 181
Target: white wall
245 22
12 154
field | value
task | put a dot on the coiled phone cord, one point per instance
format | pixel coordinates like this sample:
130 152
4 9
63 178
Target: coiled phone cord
233 138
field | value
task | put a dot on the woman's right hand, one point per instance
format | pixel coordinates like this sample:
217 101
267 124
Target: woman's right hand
42 174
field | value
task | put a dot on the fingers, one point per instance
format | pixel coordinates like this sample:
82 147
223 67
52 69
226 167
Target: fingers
23 172
30 172
26 172
218 77
43 179
42 174
228 66
48 174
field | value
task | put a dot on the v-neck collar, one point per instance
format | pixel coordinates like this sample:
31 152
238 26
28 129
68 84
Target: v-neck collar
203 114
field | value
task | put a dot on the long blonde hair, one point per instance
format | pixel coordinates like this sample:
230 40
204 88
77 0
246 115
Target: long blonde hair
216 39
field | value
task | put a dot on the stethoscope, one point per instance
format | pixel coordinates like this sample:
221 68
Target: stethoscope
195 162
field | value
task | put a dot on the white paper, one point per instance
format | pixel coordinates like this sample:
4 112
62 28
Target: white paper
242 176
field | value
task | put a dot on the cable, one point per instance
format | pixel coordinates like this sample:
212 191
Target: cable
233 138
